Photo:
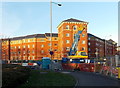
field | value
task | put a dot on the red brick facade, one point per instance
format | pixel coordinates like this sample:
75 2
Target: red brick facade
34 47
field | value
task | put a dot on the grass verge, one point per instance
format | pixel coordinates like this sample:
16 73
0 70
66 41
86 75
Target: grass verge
38 79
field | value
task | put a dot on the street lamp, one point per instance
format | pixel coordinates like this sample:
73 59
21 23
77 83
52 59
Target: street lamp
51 52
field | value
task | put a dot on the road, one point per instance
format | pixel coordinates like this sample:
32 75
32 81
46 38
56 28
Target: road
93 80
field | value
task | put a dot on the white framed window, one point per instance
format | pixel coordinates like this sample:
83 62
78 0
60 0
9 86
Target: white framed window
28 40
24 57
42 45
88 38
75 27
67 48
89 49
24 46
33 51
83 42
67 26
33 57
15 47
28 57
83 35
28 46
28 51
49 38
42 51
24 40
67 34
89 43
67 41
33 45
23 52
42 40
19 47
49 44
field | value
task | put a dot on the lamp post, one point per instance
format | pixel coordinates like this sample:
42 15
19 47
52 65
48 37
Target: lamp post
96 62
51 51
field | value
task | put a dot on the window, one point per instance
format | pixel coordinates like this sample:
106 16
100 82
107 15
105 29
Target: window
83 48
19 47
42 40
33 45
42 51
33 51
67 34
89 43
18 41
28 51
89 49
23 52
55 38
42 45
67 27
28 57
32 40
55 44
67 41
28 40
28 46
83 42
74 27
55 50
83 35
18 52
49 38
89 38
49 44
24 40
24 46
15 47
33 57
67 48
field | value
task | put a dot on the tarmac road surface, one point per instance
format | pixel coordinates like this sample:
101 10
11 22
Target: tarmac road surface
93 80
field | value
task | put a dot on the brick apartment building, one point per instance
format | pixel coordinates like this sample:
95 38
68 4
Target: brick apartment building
66 32
30 47
100 48
36 46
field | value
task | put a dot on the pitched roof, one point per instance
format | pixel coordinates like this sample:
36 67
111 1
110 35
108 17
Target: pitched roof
72 20
35 35
91 35
29 36
53 34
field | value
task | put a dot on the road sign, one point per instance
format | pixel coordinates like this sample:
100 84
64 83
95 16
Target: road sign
51 52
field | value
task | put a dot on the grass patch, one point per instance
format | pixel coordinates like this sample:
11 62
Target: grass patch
37 79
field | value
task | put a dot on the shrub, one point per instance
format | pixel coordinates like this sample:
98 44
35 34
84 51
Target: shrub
14 75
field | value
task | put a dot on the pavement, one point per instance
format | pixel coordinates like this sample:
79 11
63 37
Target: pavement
93 80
